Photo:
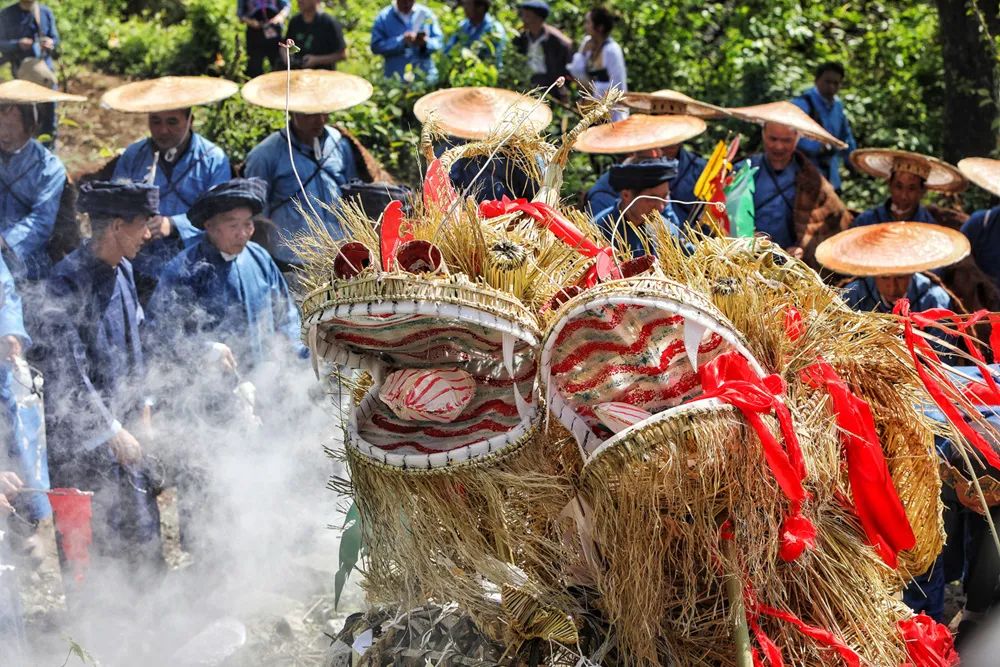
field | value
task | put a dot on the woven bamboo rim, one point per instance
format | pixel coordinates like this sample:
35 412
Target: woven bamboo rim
167 93
19 91
937 174
456 290
789 115
982 171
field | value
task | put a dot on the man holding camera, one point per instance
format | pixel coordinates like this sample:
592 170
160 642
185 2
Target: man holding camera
407 34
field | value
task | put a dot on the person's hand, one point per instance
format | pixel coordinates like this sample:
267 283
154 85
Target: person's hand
796 252
420 39
409 37
277 19
309 61
47 43
25 43
125 448
10 347
160 227
221 354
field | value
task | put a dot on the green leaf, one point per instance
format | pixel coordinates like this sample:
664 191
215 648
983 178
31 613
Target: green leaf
350 550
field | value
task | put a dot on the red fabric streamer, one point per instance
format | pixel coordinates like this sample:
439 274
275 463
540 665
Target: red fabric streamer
604 265
936 382
438 191
730 378
928 643
389 233
877 503
72 512
793 324
817 634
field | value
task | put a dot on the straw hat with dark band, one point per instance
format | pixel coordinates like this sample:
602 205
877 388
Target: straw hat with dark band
892 249
639 132
883 162
668 101
19 91
472 113
168 93
786 113
309 91
982 171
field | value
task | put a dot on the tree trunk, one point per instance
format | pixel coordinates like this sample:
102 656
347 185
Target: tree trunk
970 66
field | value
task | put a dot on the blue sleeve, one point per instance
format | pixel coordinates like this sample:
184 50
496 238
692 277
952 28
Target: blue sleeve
499 41
221 171
852 144
863 219
123 167
435 39
350 164
286 313
973 227
30 234
52 32
11 314
383 42
450 44
187 231
8 34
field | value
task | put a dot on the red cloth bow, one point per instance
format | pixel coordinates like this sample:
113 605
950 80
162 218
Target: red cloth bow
928 643
730 378
878 506
604 266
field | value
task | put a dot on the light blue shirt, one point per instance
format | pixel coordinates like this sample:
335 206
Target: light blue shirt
322 177
832 117
774 200
31 186
387 40
883 213
486 39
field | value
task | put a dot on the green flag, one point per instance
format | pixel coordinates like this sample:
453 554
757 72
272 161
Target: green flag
739 202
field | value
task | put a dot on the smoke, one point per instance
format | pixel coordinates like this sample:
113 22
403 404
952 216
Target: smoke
259 535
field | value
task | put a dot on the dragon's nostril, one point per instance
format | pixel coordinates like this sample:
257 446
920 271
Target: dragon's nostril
352 259
420 257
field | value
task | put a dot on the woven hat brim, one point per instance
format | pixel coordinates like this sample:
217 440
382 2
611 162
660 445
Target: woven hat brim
168 93
892 248
878 162
786 113
309 91
982 171
19 91
646 102
477 123
639 132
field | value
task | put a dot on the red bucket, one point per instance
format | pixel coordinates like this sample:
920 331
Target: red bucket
72 511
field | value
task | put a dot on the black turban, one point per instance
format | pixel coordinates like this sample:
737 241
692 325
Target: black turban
118 199
239 192
642 175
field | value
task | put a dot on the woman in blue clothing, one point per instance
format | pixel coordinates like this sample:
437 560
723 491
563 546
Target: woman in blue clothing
407 35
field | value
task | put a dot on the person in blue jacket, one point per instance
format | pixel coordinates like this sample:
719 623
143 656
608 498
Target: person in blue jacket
910 176
28 30
823 106
480 32
982 226
325 162
407 35
95 367
644 189
31 186
223 302
182 164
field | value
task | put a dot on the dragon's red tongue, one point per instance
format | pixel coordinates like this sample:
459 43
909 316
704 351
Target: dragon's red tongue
435 395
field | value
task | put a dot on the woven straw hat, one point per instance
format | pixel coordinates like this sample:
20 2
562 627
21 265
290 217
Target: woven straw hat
167 93
892 249
982 171
639 132
309 91
786 113
472 113
672 102
19 91
882 162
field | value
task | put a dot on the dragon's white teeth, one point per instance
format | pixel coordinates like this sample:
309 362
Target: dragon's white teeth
508 353
693 333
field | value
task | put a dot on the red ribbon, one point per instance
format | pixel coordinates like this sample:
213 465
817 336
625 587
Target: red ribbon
389 233
928 643
877 503
730 378
71 509
935 382
438 191
793 324
604 266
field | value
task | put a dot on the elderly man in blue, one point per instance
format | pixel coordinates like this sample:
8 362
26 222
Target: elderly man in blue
822 105
910 176
226 291
407 34
175 158
644 189
480 32
324 157
95 370
983 227
31 185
